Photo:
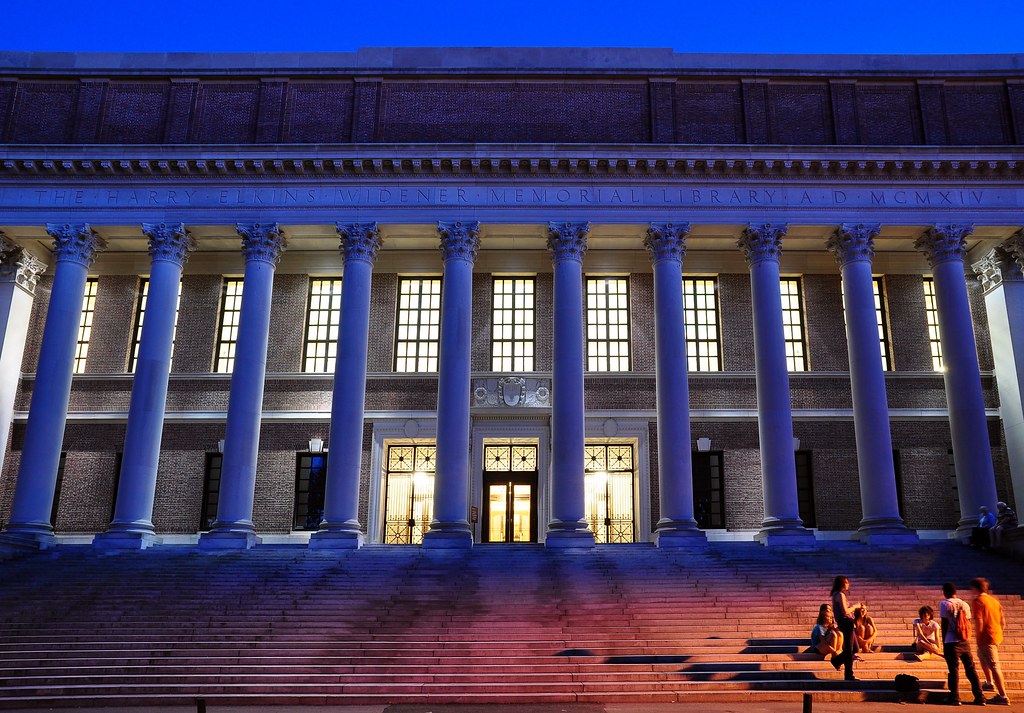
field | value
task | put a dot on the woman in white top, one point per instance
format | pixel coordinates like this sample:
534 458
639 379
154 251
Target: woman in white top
927 634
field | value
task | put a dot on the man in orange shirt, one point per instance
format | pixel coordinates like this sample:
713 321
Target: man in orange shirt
989 621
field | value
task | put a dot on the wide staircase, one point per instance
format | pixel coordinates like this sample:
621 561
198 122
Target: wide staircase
517 623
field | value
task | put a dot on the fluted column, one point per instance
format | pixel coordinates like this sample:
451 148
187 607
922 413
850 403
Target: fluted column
19 274
340 528
132 526
1000 272
666 243
262 245
450 527
853 247
945 247
762 246
74 247
568 528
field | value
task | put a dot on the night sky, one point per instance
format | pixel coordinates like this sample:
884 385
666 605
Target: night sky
768 26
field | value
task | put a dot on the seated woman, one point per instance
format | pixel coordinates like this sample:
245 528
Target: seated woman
826 638
927 634
864 631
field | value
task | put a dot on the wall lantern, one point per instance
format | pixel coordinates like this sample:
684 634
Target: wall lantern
316 445
703 445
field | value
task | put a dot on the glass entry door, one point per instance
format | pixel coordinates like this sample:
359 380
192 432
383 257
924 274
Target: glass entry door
510 494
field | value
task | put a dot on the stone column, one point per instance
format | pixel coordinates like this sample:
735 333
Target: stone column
19 274
666 244
340 528
568 527
853 247
762 246
450 527
132 526
74 247
262 245
945 246
1001 275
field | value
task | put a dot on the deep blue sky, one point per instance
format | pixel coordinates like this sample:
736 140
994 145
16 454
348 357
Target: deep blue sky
803 26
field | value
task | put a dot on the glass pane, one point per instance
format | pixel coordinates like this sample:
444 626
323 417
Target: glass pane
521 501
497 514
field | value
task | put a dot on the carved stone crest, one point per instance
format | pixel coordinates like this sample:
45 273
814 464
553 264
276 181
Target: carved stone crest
512 392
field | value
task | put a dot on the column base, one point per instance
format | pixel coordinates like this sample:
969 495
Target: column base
336 540
26 538
228 540
454 535
777 534
886 531
569 535
117 541
671 537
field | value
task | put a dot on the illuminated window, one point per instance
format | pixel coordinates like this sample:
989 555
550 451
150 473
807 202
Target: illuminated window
85 324
410 493
512 317
700 313
227 329
323 317
418 325
607 324
608 486
882 322
931 313
793 325
140 314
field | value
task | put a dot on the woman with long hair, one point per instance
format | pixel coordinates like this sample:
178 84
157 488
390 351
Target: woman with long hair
843 613
826 639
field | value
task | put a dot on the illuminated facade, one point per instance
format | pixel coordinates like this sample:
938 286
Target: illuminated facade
463 296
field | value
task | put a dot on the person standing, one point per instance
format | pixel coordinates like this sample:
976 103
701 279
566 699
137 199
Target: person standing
988 628
956 645
843 613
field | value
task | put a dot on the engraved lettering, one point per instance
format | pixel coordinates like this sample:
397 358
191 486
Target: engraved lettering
112 197
403 195
497 197
59 196
563 195
585 196
385 195
977 196
838 197
133 197
152 198
900 197
616 198
442 195
541 195
423 195
753 197
944 195
291 196
635 195
172 197
79 197
519 195
771 195
735 197
714 196
189 194
877 198
224 197
462 195
805 198
922 198
695 194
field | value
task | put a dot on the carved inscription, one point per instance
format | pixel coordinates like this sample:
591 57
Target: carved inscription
612 196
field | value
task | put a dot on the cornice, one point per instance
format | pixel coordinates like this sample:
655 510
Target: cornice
355 162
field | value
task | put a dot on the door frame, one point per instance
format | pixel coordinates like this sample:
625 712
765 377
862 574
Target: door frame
516 478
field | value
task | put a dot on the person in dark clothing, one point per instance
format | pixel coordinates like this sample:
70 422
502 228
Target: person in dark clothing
843 613
956 648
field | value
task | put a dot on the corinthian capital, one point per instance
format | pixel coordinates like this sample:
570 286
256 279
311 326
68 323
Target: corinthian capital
75 243
359 241
459 241
1014 247
761 243
19 266
262 242
169 242
944 242
568 241
853 242
996 267
666 241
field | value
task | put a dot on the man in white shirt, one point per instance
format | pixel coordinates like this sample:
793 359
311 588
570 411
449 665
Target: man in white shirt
956 648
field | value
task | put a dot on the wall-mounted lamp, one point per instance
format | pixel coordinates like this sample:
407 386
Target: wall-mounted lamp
220 446
796 444
316 445
703 445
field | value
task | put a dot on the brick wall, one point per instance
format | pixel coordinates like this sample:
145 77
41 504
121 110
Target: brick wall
473 108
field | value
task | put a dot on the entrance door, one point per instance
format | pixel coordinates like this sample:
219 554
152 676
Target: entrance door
510 494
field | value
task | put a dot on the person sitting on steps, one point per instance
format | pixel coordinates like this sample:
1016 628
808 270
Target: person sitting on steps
864 631
927 635
826 639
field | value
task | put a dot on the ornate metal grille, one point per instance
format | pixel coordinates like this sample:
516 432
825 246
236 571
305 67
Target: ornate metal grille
142 296
608 482
931 313
418 329
323 317
409 500
510 458
227 329
700 314
793 325
512 315
85 324
607 324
